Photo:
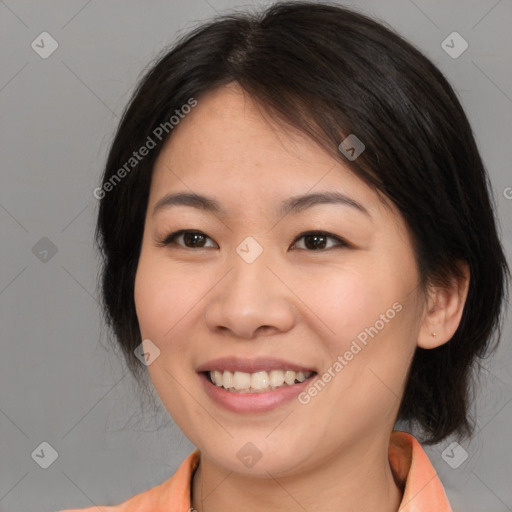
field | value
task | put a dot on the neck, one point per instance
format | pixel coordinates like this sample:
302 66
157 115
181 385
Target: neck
355 480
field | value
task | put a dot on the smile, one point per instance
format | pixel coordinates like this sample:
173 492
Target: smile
259 382
253 385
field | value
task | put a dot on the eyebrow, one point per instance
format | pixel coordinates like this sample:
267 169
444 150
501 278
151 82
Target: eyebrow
295 204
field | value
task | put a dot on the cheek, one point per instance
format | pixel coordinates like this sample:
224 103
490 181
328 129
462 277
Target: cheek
163 296
148 301
347 302
371 317
162 304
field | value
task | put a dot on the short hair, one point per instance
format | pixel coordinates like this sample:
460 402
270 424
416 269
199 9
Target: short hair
330 71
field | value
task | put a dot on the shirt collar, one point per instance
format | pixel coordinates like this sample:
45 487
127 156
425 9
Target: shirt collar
411 467
414 472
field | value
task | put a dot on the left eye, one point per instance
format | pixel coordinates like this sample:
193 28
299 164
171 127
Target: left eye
316 240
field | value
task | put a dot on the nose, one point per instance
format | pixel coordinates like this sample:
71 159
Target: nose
251 299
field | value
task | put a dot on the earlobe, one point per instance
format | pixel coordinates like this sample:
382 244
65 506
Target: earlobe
444 311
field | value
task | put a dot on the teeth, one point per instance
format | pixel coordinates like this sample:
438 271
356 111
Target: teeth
301 376
216 378
276 378
227 380
289 377
257 382
241 380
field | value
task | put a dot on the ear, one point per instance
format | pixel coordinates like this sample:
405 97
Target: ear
443 310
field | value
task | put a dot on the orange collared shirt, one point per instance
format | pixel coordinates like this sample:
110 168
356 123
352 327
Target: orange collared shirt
422 489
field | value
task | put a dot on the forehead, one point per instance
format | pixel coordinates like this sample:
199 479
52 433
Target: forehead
230 131
230 147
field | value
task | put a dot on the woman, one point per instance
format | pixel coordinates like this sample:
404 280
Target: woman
300 246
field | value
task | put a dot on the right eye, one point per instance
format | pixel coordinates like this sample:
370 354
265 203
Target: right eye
190 239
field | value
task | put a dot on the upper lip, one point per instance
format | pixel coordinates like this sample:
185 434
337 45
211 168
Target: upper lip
233 364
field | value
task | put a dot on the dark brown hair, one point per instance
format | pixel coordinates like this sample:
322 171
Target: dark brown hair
331 72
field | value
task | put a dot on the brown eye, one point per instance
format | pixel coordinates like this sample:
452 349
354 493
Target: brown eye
318 240
194 239
313 240
187 239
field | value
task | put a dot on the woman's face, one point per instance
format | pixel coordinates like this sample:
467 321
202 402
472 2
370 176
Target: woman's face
247 293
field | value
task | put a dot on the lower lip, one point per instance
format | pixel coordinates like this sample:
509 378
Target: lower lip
252 402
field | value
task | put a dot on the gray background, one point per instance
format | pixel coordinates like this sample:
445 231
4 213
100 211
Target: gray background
60 381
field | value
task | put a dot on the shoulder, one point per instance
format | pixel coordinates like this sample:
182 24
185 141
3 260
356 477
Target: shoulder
173 494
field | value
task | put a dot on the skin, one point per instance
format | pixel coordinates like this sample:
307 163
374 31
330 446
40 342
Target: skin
301 304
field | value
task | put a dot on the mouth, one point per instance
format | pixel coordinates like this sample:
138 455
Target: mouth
257 382
259 385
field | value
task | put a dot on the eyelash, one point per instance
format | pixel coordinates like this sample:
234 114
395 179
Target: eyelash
170 239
